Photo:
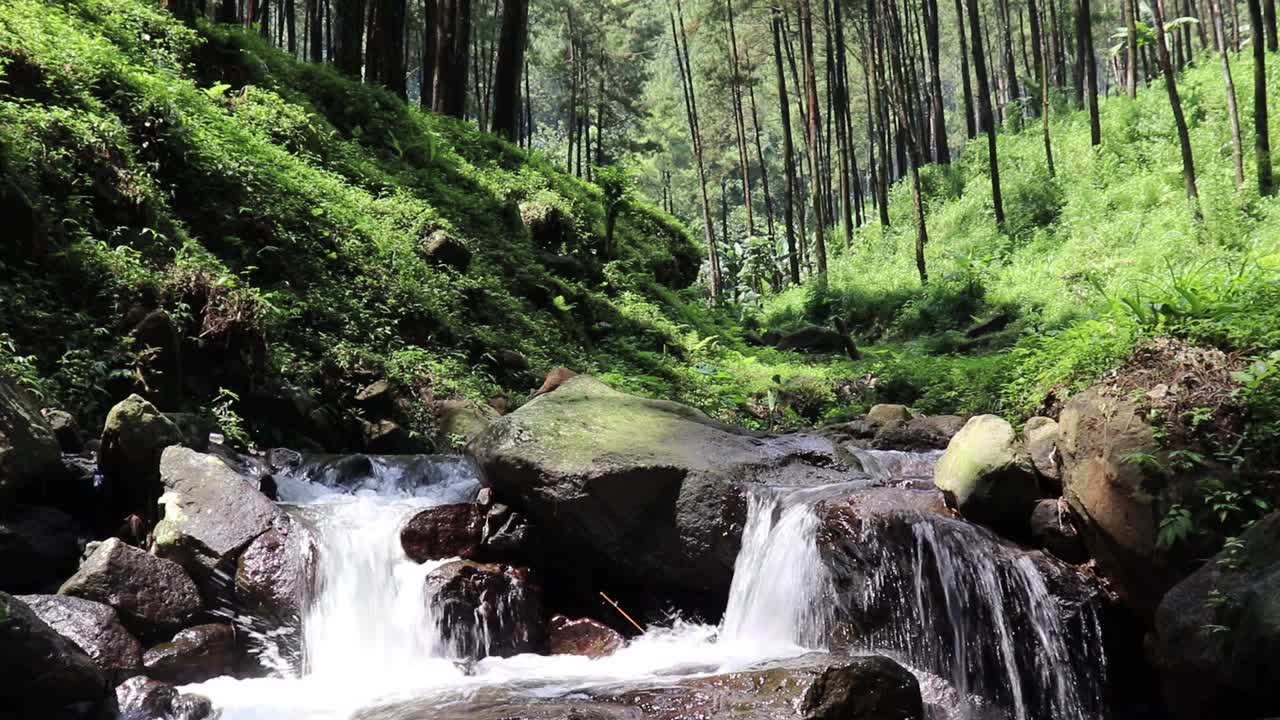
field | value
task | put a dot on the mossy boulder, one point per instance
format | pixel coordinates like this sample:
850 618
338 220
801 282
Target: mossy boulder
134 436
28 447
988 475
645 491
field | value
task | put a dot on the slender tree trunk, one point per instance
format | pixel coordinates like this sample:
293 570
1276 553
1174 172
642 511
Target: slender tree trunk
229 11
506 82
970 126
814 125
1235 25
1261 133
938 124
1010 65
290 21
1130 48
892 26
984 109
740 121
315 32
764 169
429 35
387 45
1084 47
1233 112
347 36
1042 71
1180 121
1269 13
572 114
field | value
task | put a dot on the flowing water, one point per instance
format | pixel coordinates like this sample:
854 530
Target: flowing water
369 638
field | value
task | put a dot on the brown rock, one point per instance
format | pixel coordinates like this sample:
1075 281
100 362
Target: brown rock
444 531
487 610
555 379
583 636
194 655
275 571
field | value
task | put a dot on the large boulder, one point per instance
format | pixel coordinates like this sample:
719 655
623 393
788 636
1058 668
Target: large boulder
141 698
94 628
1041 440
28 448
583 636
646 491
866 688
443 249
194 655
211 513
1053 527
133 437
65 429
38 548
458 422
987 473
485 610
443 531
40 670
153 596
884 415
274 574
1217 633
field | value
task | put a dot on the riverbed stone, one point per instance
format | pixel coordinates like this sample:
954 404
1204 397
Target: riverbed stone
649 491
865 688
443 531
987 474
194 655
28 448
153 596
1054 528
486 610
275 572
583 636
94 628
41 671
886 414
142 698
1041 440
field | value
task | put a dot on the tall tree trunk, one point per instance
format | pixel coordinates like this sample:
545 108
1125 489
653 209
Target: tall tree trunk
229 11
1042 72
387 45
984 108
938 124
814 125
506 83
892 37
315 34
1235 25
739 120
1130 47
290 21
1084 47
1180 121
1261 133
1010 64
849 191
430 35
571 116
970 126
1233 112
764 169
348 36
453 55
1269 13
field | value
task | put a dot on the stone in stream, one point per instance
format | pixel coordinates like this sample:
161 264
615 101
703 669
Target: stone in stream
142 698
584 636
38 548
886 415
1217 633
194 655
988 475
274 574
443 531
134 436
1053 527
487 610
42 673
28 449
865 688
94 628
153 596
1041 441
645 491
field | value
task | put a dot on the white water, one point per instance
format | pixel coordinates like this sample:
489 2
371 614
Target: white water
369 637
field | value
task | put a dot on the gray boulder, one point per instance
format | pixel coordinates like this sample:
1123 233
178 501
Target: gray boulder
28 448
94 628
274 573
194 655
1041 440
65 429
40 670
884 415
866 688
38 548
153 596
141 698
1053 527
988 474
133 437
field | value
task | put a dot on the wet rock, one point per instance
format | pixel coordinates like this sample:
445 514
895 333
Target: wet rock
134 436
1217 633
918 434
194 655
1041 440
94 628
153 596
211 513
141 698
508 537
444 531
273 575
885 415
867 688
40 670
38 548
583 636
645 490
1053 527
458 422
444 249
65 429
487 610
988 474
28 448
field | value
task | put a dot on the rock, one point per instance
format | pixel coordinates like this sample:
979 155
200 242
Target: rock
1217 633
947 426
444 249
387 437
555 379
134 436
988 475
94 628
194 655
211 513
507 537
646 491
443 531
38 548
816 339
28 448
377 398
1119 501
153 596
65 429
486 610
1041 440
41 670
917 435
141 698
1053 527
583 636
563 265
273 575
885 415
550 227
867 688
458 422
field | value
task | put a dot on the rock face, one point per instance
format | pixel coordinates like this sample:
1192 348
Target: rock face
644 490
443 531
275 572
487 610
988 474
461 419
211 513
1118 500
868 688
142 698
194 655
583 636
41 670
1217 633
153 595
65 429
38 548
94 628
1041 441
132 439
28 448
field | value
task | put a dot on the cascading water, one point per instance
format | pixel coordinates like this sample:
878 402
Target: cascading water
979 630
